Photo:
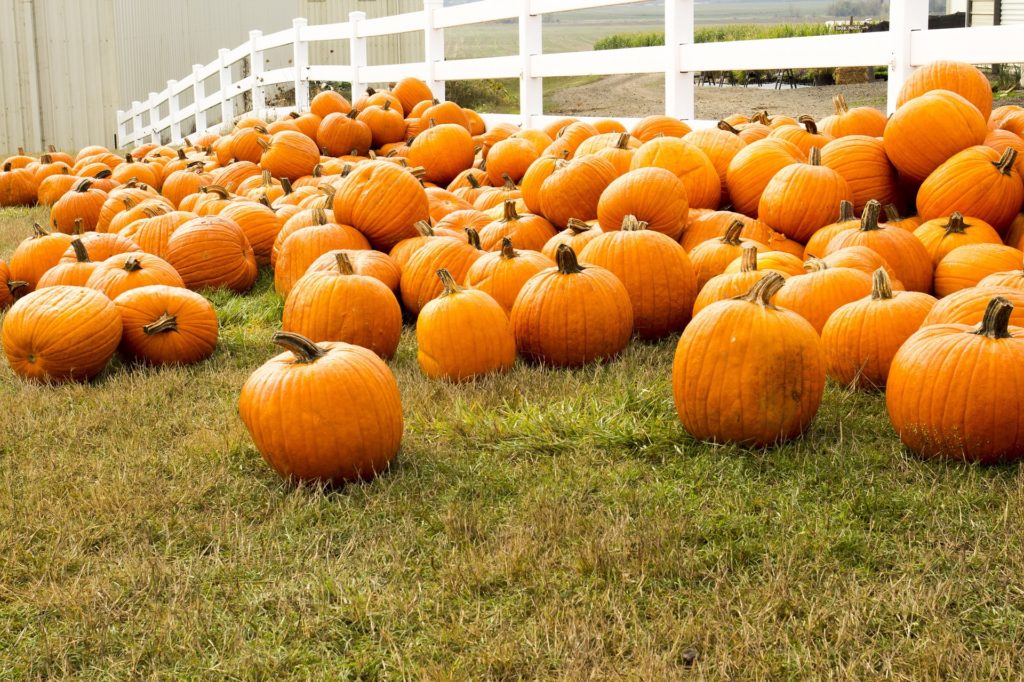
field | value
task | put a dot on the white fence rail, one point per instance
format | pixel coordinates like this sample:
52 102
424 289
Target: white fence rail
907 44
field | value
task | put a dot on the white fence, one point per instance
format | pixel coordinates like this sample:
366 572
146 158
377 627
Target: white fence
907 44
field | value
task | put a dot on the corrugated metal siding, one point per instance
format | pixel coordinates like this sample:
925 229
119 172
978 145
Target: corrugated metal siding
1013 12
982 12
18 119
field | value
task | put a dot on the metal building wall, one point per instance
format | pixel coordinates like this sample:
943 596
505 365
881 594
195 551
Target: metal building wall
996 12
19 109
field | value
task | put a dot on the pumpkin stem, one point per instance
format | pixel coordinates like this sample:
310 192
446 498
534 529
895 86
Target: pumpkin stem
473 182
997 319
881 286
566 258
763 290
7 167
727 127
387 105
304 350
956 224
181 155
263 143
344 263
320 216
268 179
79 227
102 175
424 228
814 264
507 252
81 254
1006 161
164 323
473 237
869 221
808 123
46 158
84 184
14 285
38 231
286 185
293 115
814 157
510 185
128 203
892 214
216 189
510 211
630 223
353 112
623 141
318 170
578 226
839 102
430 124
131 264
732 233
21 151
748 258
129 159
761 117
846 213
345 170
265 201
450 287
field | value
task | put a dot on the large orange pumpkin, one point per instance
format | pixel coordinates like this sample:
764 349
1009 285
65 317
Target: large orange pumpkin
444 150
964 79
574 189
290 154
166 325
653 195
383 201
821 290
689 163
303 247
942 235
967 265
35 255
802 198
212 252
967 306
753 168
863 163
72 273
419 275
978 182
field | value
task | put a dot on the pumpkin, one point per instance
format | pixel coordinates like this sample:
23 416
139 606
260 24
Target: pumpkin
74 273
381 200
861 338
404 250
83 203
245 143
344 134
574 189
978 182
861 258
864 121
457 221
419 282
964 79
18 186
510 157
125 271
527 231
714 224
181 183
61 333
1013 279
302 218
753 168
289 154
576 234
569 139
572 314
385 123
653 195
152 233
51 189
212 252
656 271
821 290
929 129
329 102
748 372
328 412
748 132
338 304
659 125
410 92
782 262
862 162
802 197
942 235
538 172
444 112
967 306
231 176
463 334
259 223
366 262
720 147
620 155
34 256
894 219
806 137
304 246
691 165
502 274
731 284
166 325
1015 235
1001 140
7 287
900 248
967 265
711 257
444 150
942 393
818 242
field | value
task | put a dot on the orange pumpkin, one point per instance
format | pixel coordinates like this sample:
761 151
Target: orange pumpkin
753 168
802 197
866 121
967 265
686 161
527 231
444 150
502 274
942 235
710 258
653 195
819 292
964 79
166 325
125 271
419 275
74 273
212 252
979 182
34 256
381 200
862 162
574 189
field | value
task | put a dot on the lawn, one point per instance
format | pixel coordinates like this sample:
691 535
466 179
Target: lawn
541 524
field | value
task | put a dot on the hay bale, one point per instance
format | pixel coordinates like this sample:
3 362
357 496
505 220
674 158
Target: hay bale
854 74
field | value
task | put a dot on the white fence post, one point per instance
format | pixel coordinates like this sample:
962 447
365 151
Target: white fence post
357 54
227 108
136 122
300 60
172 110
259 95
678 83
154 118
433 47
531 89
905 16
198 95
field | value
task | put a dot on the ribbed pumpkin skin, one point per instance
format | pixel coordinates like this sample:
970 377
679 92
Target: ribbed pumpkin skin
374 264
942 396
569 318
335 419
502 274
860 258
444 150
574 189
577 235
527 231
657 273
964 79
689 163
929 129
167 325
18 187
61 333
941 235
125 271
650 127
654 195
341 134
1013 279
967 306
802 198
753 168
212 252
356 309
862 162
291 155
973 183
259 224
847 122
152 234
861 338
6 295
714 224
303 247
35 255
786 264
419 276
539 171
815 295
965 266
382 201
73 273
747 373
464 334
83 203
101 246
710 258
720 147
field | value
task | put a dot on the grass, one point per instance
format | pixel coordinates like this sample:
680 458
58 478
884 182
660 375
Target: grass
715 34
542 524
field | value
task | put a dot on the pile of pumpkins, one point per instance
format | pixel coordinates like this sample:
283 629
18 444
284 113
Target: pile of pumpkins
774 245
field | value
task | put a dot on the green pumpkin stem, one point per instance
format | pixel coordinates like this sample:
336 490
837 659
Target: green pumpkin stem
473 237
344 263
1006 161
732 233
997 319
748 258
763 290
507 252
566 258
164 323
448 282
956 224
304 350
81 254
869 221
881 286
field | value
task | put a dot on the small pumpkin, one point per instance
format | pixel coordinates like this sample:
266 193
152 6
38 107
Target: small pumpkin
865 121
576 234
530 232
731 284
289 154
710 258
366 262
304 246
445 150
574 188
34 256
83 203
689 163
166 325
503 273
74 273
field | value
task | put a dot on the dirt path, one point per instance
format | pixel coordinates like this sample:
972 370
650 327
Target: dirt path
629 95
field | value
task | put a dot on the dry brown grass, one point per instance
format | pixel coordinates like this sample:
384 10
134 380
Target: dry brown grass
544 524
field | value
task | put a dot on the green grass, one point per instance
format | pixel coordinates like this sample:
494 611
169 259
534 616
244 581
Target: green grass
542 524
715 34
